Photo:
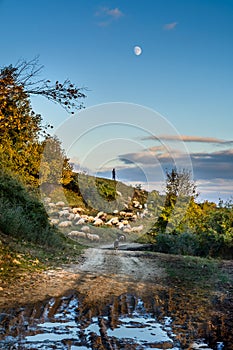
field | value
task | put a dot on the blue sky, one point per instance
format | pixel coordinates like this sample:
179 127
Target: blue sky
184 72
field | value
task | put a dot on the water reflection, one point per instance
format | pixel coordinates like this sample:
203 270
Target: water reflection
162 319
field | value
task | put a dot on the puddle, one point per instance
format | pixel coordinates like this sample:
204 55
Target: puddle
128 322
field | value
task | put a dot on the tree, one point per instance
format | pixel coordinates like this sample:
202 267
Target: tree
180 191
20 128
26 75
54 167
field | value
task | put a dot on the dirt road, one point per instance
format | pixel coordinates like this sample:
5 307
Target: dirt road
125 263
99 269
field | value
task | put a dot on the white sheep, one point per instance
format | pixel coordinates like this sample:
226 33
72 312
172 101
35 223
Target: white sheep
77 234
98 222
81 221
47 200
120 225
60 204
76 216
52 205
93 237
85 229
54 221
63 213
137 228
121 237
77 210
127 230
90 219
71 217
108 223
65 224
125 222
115 220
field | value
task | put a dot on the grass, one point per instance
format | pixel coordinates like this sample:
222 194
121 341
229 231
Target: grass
190 271
17 256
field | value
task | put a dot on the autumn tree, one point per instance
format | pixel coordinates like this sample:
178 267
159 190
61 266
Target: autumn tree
54 167
20 128
180 191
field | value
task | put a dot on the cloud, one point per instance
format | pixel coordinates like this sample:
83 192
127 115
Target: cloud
206 165
186 138
170 26
108 15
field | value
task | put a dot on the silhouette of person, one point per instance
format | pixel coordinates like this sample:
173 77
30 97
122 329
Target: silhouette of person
113 174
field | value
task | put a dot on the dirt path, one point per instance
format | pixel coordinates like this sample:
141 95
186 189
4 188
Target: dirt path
127 264
98 269
98 273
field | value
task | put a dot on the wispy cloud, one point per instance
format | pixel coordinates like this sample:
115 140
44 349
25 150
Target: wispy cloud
107 15
186 138
170 26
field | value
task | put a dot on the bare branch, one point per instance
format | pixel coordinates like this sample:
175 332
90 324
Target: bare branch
26 74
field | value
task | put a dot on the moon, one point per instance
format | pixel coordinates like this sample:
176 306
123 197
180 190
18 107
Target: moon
137 50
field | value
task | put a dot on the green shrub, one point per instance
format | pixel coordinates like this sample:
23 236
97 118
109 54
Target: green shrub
22 215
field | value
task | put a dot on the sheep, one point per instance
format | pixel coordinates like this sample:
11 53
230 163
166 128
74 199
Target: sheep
129 215
77 216
77 210
108 223
136 204
65 224
60 204
90 219
101 215
71 217
54 221
115 220
120 225
93 237
47 200
63 213
116 244
52 205
77 234
121 237
125 222
85 229
127 230
98 222
115 211
137 228
67 208
119 193
81 221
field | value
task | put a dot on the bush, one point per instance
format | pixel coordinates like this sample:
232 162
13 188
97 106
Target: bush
22 215
203 244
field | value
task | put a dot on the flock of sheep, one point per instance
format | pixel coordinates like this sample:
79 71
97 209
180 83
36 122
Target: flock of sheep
65 217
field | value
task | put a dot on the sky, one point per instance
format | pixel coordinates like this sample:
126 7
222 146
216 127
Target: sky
184 77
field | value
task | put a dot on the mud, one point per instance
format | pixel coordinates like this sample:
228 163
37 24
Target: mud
113 300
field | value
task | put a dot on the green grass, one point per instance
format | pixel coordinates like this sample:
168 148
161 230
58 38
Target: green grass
190 271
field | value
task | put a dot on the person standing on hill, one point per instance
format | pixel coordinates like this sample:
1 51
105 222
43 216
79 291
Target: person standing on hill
114 174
